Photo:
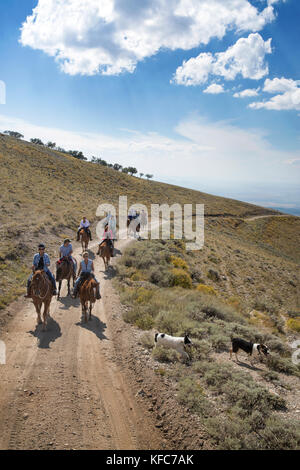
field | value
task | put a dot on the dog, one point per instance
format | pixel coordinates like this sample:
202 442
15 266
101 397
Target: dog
248 347
179 343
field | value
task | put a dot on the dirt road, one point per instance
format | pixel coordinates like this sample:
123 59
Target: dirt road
65 388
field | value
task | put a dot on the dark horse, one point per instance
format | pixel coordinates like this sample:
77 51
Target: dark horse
87 296
64 270
41 293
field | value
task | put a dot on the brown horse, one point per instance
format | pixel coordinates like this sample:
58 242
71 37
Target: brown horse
84 238
64 270
106 252
87 296
41 293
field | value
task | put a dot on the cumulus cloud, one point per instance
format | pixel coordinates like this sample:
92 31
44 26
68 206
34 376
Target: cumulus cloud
111 36
214 89
248 93
288 96
246 58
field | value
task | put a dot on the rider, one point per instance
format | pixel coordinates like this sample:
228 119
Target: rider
84 224
41 260
86 266
65 251
108 235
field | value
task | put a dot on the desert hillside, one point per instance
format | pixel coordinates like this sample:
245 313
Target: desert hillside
44 194
244 282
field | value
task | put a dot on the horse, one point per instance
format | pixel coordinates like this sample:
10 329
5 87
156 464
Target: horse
87 296
106 252
41 293
84 238
64 270
133 229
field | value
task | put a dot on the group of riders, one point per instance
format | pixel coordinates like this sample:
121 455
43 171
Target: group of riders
41 260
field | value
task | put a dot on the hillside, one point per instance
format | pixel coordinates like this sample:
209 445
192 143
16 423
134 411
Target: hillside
44 194
244 282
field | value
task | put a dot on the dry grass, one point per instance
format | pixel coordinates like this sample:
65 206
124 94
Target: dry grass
44 194
237 409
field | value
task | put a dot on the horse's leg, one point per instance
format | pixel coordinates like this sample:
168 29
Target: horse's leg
69 286
91 306
85 311
59 287
45 313
38 305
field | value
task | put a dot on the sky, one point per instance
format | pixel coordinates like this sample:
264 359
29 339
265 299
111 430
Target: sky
200 93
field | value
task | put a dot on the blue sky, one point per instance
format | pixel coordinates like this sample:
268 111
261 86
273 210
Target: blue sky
154 86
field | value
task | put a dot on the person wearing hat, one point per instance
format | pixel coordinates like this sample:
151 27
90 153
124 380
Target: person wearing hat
65 251
86 266
84 224
41 261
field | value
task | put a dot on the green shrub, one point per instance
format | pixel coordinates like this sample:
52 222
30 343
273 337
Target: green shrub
162 354
293 324
279 434
206 289
190 393
145 322
251 397
280 364
179 262
220 342
181 278
147 340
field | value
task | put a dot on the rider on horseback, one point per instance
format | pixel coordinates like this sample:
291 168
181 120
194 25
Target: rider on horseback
85 225
108 235
86 267
41 261
65 251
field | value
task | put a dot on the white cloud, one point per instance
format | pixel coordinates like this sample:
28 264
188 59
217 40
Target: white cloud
112 36
202 151
287 99
248 93
214 89
246 57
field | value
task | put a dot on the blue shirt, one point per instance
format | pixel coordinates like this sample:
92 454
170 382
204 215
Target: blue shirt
66 250
37 258
86 268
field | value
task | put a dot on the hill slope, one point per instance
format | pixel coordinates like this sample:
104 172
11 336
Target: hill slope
44 194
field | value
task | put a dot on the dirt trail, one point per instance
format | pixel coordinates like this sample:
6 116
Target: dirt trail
65 388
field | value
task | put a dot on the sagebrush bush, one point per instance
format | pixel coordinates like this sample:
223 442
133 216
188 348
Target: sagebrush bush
206 289
181 278
179 262
280 364
147 340
191 394
293 324
162 354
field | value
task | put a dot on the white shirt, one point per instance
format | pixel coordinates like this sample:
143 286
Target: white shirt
84 224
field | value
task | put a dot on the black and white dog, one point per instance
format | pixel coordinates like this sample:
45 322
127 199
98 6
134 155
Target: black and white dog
248 347
179 343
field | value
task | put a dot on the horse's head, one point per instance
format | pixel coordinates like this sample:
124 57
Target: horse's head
62 269
37 276
37 279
